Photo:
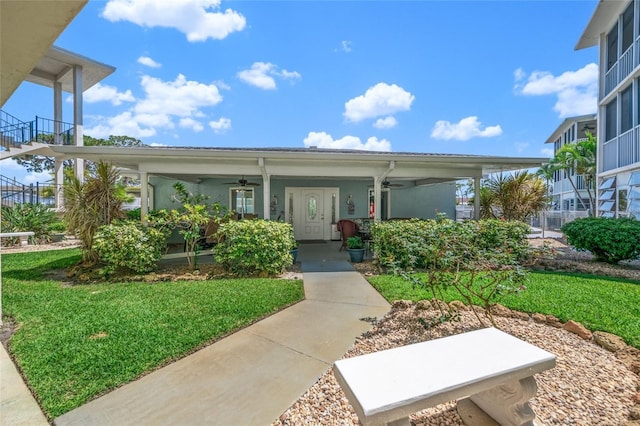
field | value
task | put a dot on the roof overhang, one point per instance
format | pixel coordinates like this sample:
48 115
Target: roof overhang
200 163
567 122
602 20
57 66
28 29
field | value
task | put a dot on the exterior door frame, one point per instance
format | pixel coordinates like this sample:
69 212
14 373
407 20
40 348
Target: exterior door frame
294 197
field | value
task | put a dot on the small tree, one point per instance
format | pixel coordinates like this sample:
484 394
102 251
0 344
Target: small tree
90 204
515 196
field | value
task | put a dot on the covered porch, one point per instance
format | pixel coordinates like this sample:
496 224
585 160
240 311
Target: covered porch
309 188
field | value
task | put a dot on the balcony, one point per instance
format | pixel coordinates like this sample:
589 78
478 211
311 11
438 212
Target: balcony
622 68
622 150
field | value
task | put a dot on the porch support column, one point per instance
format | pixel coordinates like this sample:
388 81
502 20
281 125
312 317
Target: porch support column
476 198
377 191
266 190
77 119
144 197
377 194
58 182
58 177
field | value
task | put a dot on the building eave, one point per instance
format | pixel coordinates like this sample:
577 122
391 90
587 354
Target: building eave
603 18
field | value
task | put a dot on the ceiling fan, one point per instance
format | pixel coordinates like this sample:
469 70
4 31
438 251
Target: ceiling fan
243 182
387 184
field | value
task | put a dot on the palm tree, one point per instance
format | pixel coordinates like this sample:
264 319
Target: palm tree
579 158
91 204
515 196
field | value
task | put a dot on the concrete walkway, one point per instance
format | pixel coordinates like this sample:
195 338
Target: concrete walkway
254 375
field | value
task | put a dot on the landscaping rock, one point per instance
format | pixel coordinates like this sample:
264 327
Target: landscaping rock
630 356
520 315
501 310
457 306
539 318
402 304
577 328
553 321
609 341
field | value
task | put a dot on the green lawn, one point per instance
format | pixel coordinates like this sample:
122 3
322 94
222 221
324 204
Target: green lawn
76 342
600 303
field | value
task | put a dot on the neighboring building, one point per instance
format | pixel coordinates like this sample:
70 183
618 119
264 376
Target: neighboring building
565 199
615 28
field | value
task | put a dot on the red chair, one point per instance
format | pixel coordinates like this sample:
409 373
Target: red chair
348 229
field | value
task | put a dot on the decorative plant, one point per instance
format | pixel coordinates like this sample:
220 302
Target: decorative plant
255 247
610 240
28 217
130 246
90 204
355 242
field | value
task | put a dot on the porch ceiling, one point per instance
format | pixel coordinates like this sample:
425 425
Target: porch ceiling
201 163
27 31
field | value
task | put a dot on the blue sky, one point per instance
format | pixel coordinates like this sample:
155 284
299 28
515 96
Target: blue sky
460 77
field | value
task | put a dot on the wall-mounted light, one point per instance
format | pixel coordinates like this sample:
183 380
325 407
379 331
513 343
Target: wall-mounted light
274 203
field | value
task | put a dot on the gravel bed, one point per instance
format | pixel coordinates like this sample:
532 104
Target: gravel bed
589 385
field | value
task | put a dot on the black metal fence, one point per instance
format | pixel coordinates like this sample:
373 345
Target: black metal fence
14 132
13 192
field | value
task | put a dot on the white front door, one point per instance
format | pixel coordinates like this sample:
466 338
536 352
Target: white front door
313 215
310 211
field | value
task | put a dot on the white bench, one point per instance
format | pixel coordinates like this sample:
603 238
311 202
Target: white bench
494 369
24 236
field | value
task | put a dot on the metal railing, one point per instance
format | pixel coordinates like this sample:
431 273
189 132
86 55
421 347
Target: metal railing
13 192
14 132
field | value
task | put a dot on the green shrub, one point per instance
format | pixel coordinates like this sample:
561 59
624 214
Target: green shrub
418 244
610 240
134 214
130 246
58 227
479 259
28 217
255 247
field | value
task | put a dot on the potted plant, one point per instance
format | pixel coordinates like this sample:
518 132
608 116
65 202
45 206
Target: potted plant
355 247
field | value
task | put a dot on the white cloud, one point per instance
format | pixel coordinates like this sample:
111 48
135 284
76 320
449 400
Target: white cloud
199 20
547 152
180 97
190 123
157 144
221 125
147 61
381 99
102 92
345 46
576 91
386 122
163 102
261 74
519 74
324 140
463 130
122 124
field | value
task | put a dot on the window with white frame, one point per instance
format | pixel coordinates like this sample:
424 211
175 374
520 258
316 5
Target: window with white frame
627 28
626 110
610 123
241 200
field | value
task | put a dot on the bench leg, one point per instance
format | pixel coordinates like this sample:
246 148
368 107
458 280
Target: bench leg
508 404
24 241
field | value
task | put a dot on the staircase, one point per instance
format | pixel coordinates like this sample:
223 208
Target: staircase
18 138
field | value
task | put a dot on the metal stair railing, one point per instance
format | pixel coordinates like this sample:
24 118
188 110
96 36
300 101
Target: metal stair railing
14 132
13 192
